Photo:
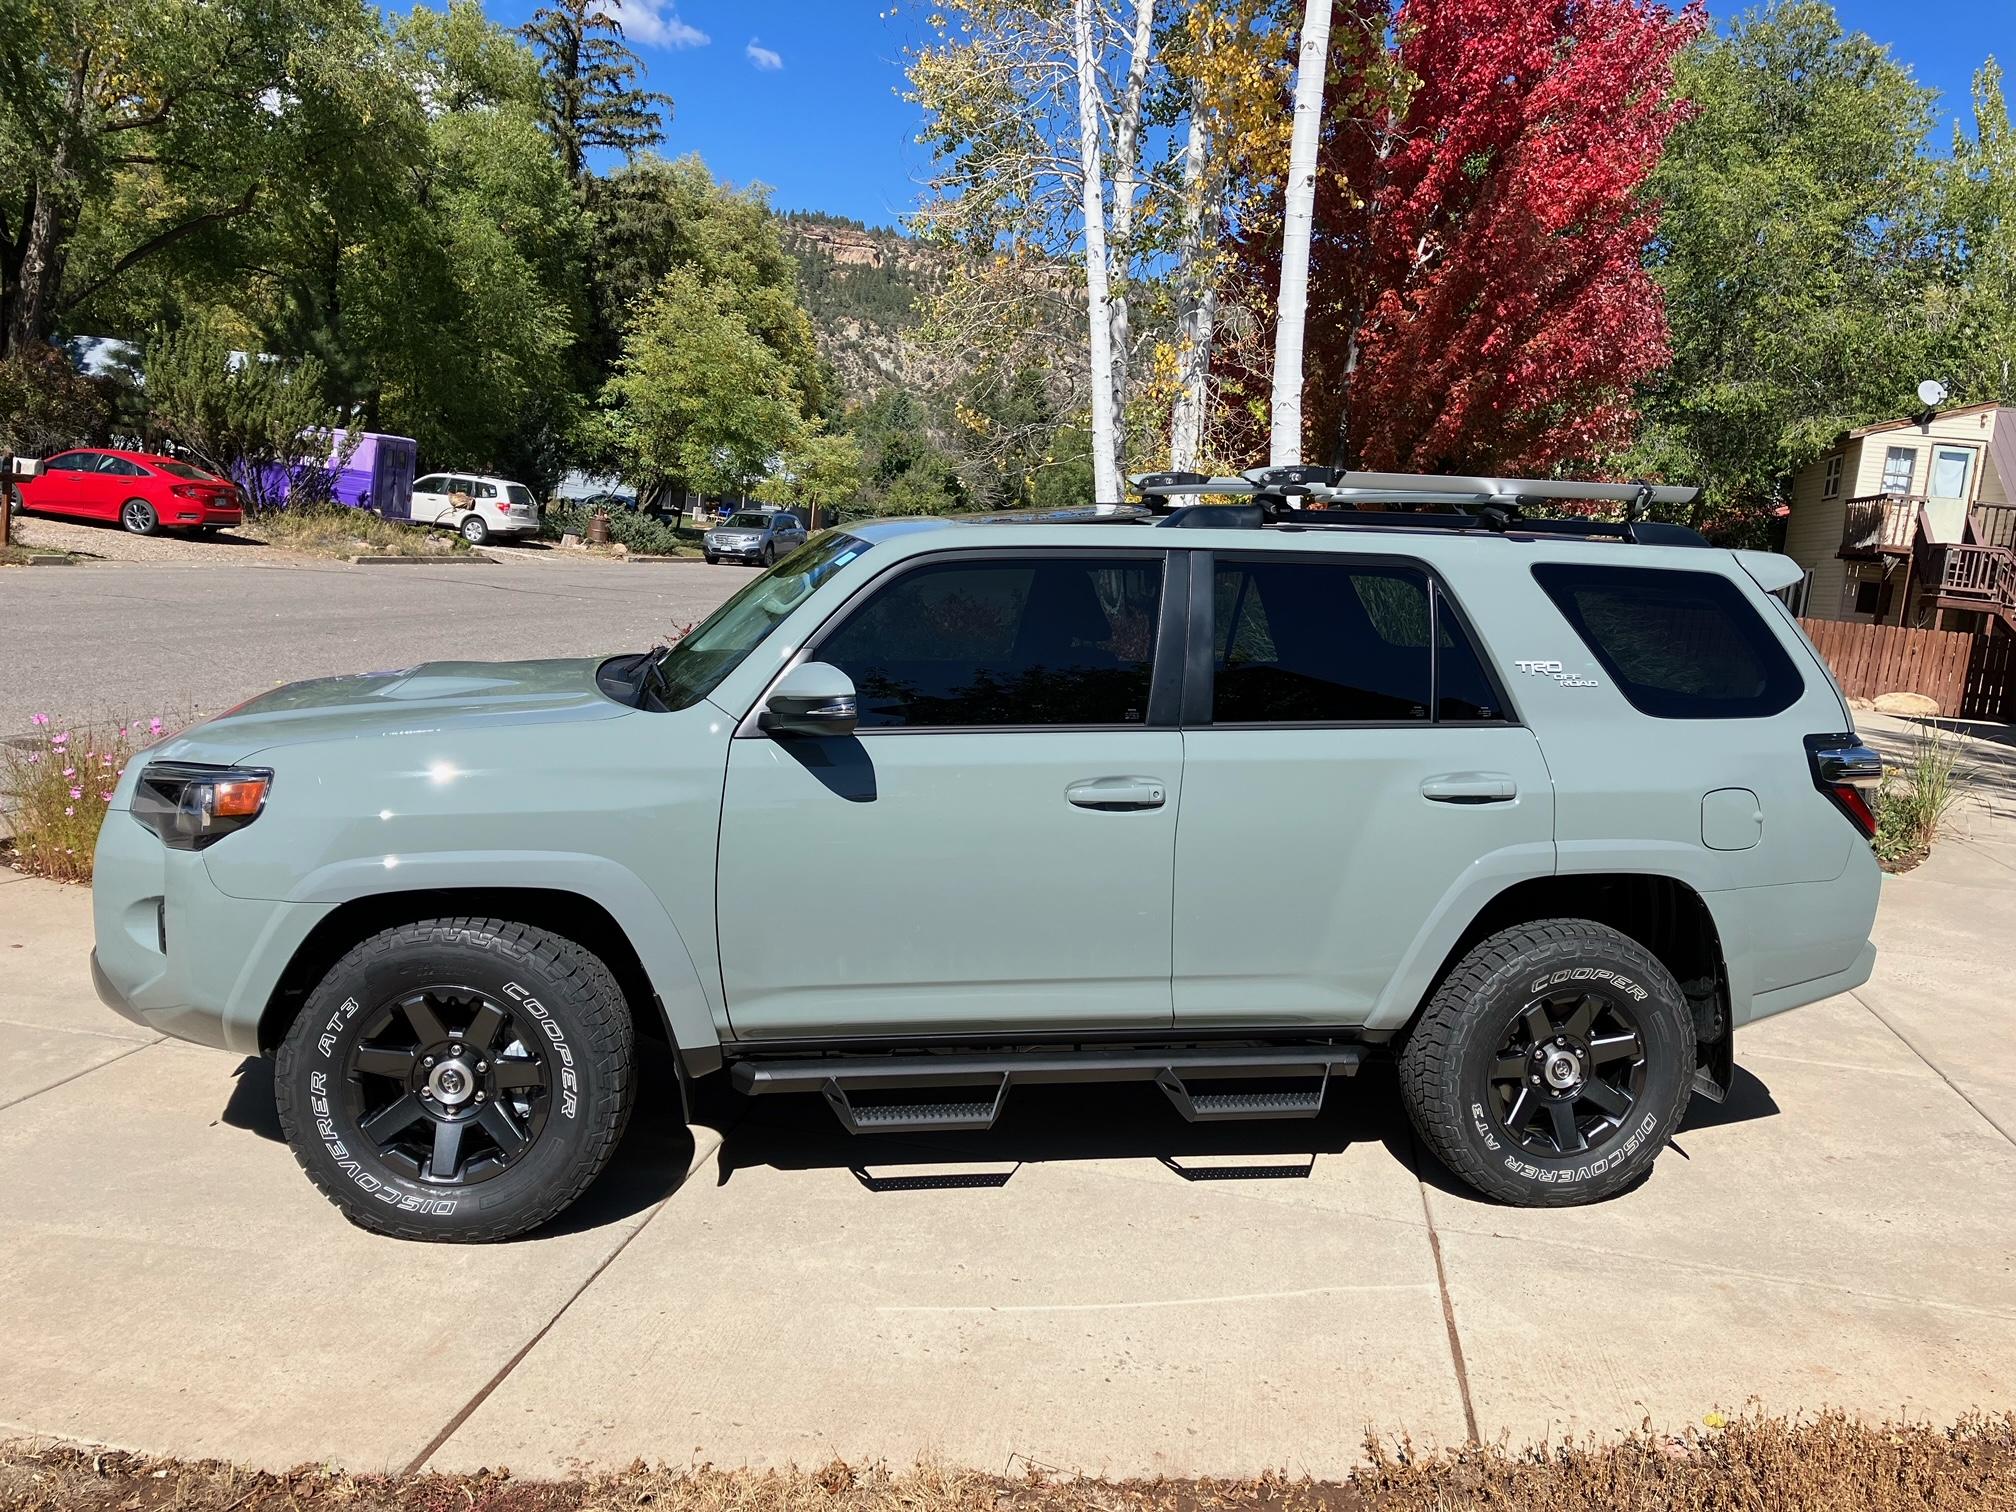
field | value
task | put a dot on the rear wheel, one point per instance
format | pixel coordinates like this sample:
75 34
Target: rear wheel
1551 1064
137 517
457 1079
474 531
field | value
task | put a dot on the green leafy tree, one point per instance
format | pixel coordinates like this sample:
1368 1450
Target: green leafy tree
592 98
1794 251
820 473
267 423
699 395
46 405
133 132
1976 310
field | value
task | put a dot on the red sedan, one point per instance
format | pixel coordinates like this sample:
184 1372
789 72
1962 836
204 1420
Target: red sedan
141 491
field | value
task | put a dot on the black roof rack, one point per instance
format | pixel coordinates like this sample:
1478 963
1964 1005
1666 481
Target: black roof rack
1308 497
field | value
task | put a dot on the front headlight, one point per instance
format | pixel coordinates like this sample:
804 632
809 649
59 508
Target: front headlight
189 806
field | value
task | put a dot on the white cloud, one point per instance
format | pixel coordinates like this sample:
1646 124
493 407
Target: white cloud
655 24
763 57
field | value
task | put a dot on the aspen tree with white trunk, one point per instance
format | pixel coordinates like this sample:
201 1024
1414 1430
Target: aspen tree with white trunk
1098 300
1298 215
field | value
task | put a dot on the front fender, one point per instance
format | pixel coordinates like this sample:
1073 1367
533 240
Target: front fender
615 888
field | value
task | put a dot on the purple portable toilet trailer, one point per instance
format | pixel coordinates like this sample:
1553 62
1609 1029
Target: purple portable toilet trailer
379 474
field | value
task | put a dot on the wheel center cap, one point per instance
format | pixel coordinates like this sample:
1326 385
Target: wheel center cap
452 1083
1561 1070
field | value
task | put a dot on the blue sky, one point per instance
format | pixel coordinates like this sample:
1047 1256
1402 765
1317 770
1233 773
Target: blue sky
801 94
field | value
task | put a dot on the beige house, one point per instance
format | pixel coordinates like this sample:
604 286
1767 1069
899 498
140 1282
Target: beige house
1912 522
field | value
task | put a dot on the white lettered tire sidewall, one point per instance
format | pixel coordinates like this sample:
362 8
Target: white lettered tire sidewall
1446 1063
553 983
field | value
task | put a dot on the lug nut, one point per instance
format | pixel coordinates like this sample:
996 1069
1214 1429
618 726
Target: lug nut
482 1065
479 1097
428 1061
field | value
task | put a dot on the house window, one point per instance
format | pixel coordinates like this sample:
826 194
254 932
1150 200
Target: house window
1868 594
1900 464
1830 487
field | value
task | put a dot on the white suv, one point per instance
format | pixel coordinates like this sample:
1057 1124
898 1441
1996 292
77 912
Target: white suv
478 507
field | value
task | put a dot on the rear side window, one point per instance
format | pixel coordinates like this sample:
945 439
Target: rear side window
1316 642
1004 642
1679 645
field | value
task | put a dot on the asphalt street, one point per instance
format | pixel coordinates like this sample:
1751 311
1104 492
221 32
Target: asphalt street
101 641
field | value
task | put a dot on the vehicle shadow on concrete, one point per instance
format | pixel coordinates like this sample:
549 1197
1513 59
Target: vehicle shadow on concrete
1131 1121
1124 1121
650 1164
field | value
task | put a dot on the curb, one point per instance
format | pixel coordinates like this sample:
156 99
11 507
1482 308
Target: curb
633 557
47 559
461 559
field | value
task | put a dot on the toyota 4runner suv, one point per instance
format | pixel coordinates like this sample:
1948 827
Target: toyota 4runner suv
1230 798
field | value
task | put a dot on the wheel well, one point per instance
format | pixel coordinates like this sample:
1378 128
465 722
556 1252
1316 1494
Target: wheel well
579 919
1664 915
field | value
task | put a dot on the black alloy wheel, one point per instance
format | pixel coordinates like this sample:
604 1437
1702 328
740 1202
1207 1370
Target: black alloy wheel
1568 1072
451 1086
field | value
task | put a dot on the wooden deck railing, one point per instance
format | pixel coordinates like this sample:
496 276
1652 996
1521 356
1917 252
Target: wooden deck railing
1877 523
1994 525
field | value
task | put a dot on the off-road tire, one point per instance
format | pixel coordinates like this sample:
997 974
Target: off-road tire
585 1019
1447 1060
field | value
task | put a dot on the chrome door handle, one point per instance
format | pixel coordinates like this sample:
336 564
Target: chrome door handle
1113 793
1470 787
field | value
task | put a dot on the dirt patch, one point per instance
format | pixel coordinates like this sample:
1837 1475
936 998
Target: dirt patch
1831 1462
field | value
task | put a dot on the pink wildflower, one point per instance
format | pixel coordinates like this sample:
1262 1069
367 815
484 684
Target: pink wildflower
69 771
38 719
154 727
106 795
69 808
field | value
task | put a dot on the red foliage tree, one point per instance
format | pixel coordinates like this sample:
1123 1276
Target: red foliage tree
1478 296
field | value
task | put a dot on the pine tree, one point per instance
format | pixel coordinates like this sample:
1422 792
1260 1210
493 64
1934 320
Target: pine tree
591 95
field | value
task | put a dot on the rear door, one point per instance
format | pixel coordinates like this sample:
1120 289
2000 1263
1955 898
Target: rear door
1349 765
117 480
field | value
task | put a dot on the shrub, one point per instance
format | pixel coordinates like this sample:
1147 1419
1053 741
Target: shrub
647 535
54 786
1913 800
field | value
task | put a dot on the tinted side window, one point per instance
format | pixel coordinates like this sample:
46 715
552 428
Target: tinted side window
1680 645
74 462
429 485
1044 641
1318 642
119 467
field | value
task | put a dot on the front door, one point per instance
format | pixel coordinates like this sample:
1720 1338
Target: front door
993 849
1347 784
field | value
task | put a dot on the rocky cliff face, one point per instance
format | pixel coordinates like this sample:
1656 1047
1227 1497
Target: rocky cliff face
866 289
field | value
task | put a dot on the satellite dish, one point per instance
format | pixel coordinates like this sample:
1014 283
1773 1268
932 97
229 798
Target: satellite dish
1932 393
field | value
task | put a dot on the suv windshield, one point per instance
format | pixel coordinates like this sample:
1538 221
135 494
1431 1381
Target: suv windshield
691 670
750 522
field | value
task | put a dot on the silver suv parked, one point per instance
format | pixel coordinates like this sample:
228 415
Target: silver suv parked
754 535
1227 798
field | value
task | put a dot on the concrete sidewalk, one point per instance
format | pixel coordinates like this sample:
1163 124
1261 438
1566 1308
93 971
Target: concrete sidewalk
1093 1285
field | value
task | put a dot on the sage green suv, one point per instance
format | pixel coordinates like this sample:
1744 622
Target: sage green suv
1230 799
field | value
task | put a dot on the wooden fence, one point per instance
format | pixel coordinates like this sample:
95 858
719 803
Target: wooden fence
1968 676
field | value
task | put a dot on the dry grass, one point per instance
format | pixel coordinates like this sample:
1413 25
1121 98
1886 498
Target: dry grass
1826 1464
54 785
336 531
18 556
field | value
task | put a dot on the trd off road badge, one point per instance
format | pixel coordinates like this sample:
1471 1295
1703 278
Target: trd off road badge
1559 673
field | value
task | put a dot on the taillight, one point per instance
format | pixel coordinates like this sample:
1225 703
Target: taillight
1848 773
186 491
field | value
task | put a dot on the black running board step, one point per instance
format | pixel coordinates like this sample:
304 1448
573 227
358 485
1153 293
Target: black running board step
913 1117
1021 1068
1228 1107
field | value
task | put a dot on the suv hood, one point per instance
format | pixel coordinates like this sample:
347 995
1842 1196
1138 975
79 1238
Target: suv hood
411 701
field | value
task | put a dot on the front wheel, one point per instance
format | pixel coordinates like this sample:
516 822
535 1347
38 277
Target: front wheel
474 531
1552 1064
457 1079
137 517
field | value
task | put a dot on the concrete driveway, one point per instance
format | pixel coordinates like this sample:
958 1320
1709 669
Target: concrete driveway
1092 1285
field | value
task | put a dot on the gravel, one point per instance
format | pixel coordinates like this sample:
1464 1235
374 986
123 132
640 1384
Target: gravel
109 543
